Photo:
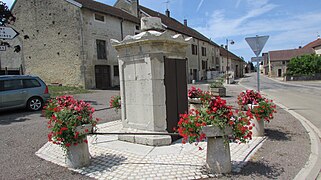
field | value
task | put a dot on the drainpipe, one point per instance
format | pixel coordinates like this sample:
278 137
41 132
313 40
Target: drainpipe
122 29
83 68
138 14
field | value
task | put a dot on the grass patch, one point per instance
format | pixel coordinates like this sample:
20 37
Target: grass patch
66 90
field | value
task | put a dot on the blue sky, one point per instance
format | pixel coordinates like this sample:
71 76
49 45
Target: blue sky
289 23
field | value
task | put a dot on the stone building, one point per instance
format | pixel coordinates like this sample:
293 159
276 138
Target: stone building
68 41
275 62
232 63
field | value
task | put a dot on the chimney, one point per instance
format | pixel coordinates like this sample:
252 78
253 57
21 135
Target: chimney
167 13
185 22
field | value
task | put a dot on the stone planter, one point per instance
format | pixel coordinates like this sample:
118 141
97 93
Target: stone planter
78 156
194 103
83 128
258 127
220 91
218 157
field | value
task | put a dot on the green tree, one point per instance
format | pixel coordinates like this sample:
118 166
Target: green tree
304 65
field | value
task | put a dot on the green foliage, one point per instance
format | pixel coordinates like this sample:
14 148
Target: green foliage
66 90
217 84
304 65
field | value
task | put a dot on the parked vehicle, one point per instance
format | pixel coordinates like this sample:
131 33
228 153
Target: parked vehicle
22 91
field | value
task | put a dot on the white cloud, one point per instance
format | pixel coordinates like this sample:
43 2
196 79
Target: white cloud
218 25
285 32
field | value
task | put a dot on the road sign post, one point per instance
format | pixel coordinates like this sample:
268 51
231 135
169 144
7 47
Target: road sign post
257 43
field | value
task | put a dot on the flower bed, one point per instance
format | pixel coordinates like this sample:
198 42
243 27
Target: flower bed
66 115
214 112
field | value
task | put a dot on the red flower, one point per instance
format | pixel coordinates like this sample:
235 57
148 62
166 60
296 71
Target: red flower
64 129
86 141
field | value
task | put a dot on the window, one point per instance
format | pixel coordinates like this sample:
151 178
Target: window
283 62
204 65
194 49
10 85
99 17
101 49
116 71
30 83
203 51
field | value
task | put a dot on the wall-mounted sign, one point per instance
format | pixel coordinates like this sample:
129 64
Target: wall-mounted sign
7 33
3 48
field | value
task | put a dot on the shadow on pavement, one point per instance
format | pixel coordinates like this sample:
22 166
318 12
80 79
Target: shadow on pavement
16 116
276 135
260 168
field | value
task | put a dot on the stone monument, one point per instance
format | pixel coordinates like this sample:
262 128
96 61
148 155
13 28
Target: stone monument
144 96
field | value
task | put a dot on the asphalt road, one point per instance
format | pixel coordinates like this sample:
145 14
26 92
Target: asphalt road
23 133
302 97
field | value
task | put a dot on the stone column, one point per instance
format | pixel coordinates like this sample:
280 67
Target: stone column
218 157
143 96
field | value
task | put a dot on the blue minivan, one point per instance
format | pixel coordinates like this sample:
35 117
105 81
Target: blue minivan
22 91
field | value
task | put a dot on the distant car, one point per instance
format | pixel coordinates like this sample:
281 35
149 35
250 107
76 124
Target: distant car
22 91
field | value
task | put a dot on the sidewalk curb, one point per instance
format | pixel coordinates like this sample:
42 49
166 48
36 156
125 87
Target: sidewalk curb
298 85
313 165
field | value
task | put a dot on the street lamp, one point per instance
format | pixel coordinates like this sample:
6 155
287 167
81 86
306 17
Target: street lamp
227 66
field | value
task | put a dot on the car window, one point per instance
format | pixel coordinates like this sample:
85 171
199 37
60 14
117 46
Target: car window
30 83
12 85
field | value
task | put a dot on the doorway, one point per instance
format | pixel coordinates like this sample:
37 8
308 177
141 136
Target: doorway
279 72
102 76
176 92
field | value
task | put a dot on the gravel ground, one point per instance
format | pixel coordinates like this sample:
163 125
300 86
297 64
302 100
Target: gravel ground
283 154
23 133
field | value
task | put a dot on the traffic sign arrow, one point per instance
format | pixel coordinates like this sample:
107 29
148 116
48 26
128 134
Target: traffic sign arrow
7 33
257 43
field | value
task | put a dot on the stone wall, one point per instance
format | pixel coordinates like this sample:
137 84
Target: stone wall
110 29
50 34
318 50
58 41
275 66
303 78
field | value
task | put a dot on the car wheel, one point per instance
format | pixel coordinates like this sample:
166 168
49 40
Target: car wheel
34 104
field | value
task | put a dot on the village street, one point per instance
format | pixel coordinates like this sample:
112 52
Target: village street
23 133
303 97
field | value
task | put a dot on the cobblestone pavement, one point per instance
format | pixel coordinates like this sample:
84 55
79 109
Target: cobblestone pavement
113 159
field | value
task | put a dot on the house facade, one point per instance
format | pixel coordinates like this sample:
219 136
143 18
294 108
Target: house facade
275 62
68 41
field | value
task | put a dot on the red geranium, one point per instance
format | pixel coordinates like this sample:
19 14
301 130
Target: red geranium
216 113
66 113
